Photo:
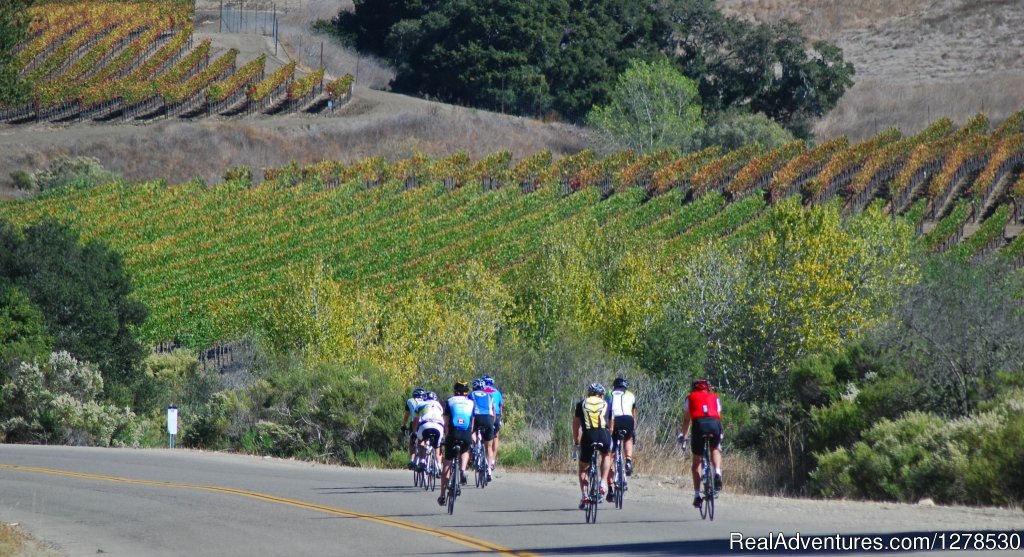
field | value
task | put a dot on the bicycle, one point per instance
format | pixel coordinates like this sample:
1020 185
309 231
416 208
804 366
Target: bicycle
480 462
707 480
454 475
619 470
593 483
425 476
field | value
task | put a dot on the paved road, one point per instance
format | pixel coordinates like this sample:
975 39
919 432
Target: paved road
88 501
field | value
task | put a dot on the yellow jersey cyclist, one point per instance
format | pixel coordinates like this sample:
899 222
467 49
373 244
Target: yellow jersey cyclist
483 418
458 412
412 405
623 405
592 423
429 424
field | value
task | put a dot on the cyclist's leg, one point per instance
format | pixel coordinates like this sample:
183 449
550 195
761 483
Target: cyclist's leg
497 436
446 469
606 455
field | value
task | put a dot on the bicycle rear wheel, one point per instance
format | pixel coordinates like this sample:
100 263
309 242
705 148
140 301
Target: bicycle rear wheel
433 467
595 491
453 485
620 480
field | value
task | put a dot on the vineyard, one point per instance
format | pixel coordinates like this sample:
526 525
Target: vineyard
138 61
204 257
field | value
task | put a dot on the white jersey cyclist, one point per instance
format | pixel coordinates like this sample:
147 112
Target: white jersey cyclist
431 417
622 402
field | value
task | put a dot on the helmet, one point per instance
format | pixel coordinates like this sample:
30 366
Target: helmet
418 393
460 388
701 385
478 384
620 383
430 396
488 380
595 389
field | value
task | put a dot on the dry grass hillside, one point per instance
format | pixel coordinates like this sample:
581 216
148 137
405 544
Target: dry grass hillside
916 60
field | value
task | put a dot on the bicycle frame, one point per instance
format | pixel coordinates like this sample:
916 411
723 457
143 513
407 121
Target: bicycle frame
619 470
707 480
454 475
594 483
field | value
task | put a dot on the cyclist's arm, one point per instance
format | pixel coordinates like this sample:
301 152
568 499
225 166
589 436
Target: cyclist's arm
685 430
405 418
577 425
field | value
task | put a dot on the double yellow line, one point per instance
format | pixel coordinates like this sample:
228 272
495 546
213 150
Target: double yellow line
468 541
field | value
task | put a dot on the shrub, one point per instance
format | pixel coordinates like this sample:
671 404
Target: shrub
83 172
240 174
515 455
56 402
23 180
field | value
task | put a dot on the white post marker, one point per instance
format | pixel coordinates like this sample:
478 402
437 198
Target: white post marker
172 422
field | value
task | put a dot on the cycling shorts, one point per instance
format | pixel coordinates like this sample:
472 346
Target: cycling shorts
624 424
594 436
432 430
484 423
462 436
699 428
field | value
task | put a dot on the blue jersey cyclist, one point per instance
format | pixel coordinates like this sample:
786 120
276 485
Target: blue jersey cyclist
498 405
458 411
483 416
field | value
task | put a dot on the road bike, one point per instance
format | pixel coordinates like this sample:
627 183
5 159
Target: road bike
480 462
707 480
426 476
454 475
594 483
619 469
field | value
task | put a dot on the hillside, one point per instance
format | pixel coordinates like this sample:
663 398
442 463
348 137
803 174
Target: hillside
916 60
204 258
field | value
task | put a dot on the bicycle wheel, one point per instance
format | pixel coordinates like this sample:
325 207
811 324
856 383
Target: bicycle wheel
453 485
620 479
709 507
595 490
431 474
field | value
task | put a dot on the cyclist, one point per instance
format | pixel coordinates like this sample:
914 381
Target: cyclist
429 424
592 423
703 409
483 418
498 403
458 411
412 404
623 403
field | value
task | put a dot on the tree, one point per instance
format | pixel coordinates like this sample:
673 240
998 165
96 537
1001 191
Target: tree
757 67
809 285
652 107
734 130
22 329
84 295
958 331
14 20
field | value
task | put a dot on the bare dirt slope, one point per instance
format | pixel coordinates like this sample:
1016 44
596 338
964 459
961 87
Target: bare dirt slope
916 60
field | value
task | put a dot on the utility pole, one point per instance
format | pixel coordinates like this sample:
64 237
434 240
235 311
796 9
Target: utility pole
321 55
220 24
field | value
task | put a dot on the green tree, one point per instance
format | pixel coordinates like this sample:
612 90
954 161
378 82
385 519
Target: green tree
84 294
765 68
14 20
652 107
734 130
22 329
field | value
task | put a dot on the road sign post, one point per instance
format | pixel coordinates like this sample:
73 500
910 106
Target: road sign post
172 422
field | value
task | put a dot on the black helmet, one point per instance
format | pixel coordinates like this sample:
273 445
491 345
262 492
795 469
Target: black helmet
460 388
620 383
418 393
595 389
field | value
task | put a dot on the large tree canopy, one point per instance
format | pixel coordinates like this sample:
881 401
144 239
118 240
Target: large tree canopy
565 56
83 294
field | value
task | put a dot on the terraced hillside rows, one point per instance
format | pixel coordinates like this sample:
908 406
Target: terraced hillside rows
203 257
137 61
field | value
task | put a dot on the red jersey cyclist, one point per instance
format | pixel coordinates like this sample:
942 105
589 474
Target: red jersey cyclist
703 409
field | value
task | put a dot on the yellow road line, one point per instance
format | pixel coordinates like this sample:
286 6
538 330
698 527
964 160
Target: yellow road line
469 541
